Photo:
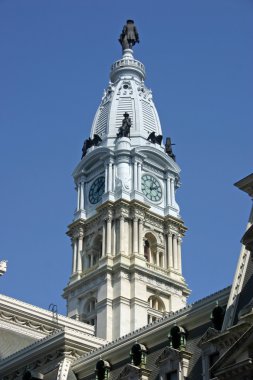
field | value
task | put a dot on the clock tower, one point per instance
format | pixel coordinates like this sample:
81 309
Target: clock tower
127 230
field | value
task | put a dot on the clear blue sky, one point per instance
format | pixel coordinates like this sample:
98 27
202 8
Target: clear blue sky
55 62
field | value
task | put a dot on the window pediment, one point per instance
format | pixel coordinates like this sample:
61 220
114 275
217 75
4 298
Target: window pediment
169 354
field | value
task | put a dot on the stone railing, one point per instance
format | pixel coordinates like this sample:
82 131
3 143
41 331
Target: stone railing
157 269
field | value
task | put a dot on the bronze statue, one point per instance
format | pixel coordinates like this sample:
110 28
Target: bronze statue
168 148
88 143
124 130
129 35
155 139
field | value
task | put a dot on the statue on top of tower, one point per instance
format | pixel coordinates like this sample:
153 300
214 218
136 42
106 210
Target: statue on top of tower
129 35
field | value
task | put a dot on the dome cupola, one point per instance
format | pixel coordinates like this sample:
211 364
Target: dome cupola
126 93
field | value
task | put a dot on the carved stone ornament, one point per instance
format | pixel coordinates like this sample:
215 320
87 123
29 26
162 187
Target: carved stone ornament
154 222
144 92
157 284
152 169
108 93
25 323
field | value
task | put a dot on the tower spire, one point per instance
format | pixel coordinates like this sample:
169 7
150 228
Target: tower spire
127 230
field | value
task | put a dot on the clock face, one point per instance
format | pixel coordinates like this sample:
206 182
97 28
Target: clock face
97 190
151 188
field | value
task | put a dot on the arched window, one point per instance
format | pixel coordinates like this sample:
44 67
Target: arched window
90 315
91 305
94 253
156 308
150 248
156 303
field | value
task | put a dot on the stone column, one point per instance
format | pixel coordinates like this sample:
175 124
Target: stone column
162 260
179 258
78 197
135 176
103 239
175 252
108 236
79 254
121 234
106 178
135 235
169 248
157 258
168 193
82 194
110 177
113 177
172 190
139 177
141 248
74 245
113 239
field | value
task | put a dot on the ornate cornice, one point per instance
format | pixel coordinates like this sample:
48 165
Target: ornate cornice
171 221
25 322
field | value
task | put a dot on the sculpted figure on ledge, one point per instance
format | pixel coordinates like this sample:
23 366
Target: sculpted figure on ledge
88 143
124 130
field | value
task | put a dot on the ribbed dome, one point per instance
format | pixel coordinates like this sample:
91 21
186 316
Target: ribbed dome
126 92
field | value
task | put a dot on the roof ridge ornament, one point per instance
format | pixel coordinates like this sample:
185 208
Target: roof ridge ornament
129 36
